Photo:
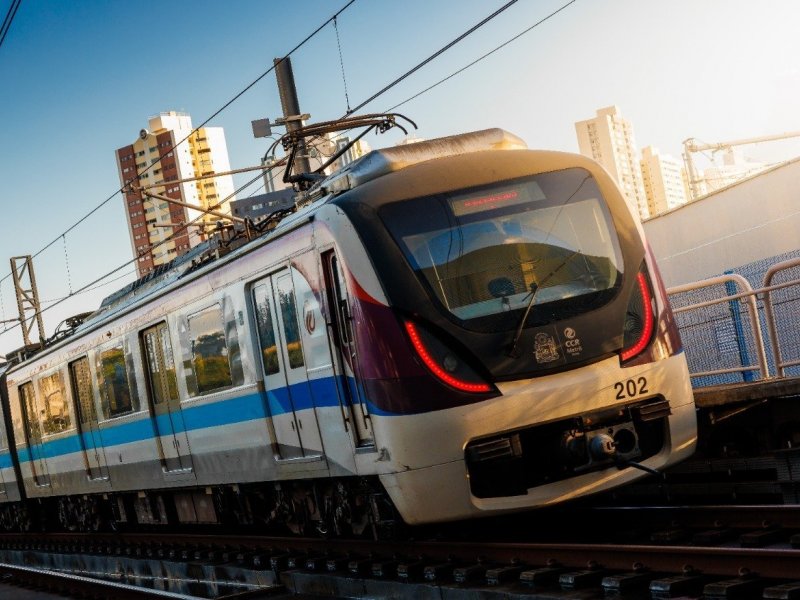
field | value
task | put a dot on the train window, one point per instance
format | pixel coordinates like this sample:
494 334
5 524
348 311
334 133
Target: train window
286 299
266 329
160 364
210 363
56 417
486 253
112 375
30 412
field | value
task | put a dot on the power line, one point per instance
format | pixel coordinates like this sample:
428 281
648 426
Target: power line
12 11
203 124
432 56
120 190
474 62
479 59
94 283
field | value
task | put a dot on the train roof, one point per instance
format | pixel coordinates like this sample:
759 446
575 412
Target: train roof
213 253
377 163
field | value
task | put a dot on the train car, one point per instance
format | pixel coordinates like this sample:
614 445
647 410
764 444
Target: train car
446 330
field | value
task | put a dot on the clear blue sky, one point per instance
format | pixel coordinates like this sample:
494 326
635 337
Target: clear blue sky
79 79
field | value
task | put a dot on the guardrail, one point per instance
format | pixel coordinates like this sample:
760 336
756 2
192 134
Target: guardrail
749 296
769 312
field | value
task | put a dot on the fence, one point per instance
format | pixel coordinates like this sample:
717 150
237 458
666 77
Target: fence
722 321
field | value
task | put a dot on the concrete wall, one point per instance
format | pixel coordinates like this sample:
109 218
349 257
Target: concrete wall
749 221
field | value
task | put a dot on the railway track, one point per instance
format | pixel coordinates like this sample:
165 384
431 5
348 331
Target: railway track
43 583
658 552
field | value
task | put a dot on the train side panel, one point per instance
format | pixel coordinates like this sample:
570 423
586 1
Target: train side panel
9 485
223 435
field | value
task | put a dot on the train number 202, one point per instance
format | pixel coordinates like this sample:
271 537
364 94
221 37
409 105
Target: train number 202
631 387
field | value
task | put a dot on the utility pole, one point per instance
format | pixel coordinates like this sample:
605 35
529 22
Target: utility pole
27 298
292 117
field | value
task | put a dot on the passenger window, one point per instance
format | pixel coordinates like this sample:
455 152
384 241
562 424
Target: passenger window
56 416
112 375
294 347
209 350
30 412
266 330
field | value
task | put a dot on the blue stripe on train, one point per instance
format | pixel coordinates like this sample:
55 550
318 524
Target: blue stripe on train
319 393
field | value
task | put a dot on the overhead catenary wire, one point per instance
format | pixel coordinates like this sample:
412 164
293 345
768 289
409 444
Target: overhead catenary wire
341 63
203 124
94 283
476 61
12 11
97 287
482 57
386 88
361 105
152 165
433 56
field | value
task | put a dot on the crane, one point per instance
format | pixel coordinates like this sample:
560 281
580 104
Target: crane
691 145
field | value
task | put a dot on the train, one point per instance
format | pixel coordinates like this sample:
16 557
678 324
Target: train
441 331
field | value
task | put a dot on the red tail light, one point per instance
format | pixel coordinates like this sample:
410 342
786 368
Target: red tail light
443 363
639 319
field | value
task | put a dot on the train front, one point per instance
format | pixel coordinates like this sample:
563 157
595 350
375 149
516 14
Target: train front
524 352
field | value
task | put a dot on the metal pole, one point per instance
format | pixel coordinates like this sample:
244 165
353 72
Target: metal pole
192 206
27 298
291 109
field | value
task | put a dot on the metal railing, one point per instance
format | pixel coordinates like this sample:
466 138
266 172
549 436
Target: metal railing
749 296
769 312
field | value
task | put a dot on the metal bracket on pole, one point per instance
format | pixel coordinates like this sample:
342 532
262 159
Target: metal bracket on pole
30 310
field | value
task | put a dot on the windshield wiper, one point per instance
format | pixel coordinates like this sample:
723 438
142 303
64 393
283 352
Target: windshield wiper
535 287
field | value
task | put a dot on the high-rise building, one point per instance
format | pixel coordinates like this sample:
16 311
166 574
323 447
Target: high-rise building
664 181
608 139
354 152
156 227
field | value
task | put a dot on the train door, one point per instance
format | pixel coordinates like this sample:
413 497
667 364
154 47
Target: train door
345 348
165 406
88 428
33 433
286 380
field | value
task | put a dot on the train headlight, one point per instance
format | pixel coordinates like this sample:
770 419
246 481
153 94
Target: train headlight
442 362
639 318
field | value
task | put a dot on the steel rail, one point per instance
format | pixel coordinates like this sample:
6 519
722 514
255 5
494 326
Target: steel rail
714 560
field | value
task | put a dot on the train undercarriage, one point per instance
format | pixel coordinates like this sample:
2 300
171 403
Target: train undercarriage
341 507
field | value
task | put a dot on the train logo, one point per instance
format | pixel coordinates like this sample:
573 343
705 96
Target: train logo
572 345
545 348
309 318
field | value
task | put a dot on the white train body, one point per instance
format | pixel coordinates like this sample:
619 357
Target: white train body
320 352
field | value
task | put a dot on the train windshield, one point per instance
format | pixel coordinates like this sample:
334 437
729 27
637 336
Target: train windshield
544 246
